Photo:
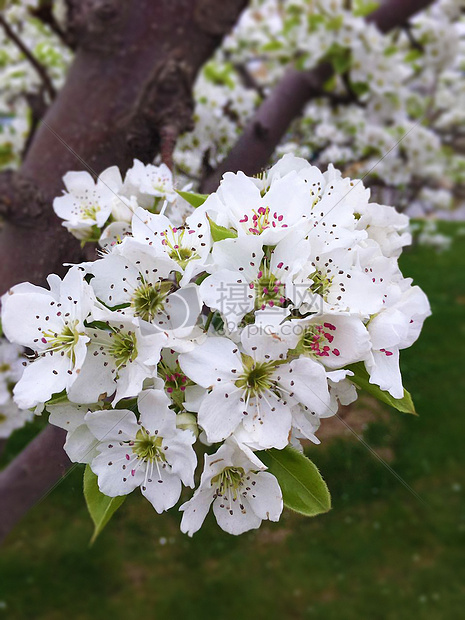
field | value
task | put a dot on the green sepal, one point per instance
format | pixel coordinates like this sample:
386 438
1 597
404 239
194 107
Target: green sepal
195 200
220 232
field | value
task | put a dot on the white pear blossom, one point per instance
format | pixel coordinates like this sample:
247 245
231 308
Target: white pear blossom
255 387
119 359
239 204
396 327
148 182
245 279
149 452
185 247
51 323
242 493
335 339
87 204
80 444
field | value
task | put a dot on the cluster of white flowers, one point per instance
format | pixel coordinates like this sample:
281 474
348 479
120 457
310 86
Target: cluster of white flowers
103 210
236 328
11 369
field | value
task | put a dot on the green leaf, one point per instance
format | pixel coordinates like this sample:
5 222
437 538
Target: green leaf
272 46
340 57
304 490
220 232
101 508
362 8
413 55
359 88
192 198
361 380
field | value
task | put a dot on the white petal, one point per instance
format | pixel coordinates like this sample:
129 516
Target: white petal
117 470
265 496
215 358
47 375
181 456
306 380
229 293
162 488
23 318
385 372
67 416
112 424
94 378
195 510
235 517
221 412
268 422
243 254
155 414
81 445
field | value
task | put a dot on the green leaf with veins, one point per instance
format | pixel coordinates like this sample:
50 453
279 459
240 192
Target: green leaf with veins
303 488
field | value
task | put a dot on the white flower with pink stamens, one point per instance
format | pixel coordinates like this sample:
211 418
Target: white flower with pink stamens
248 277
239 204
335 339
253 385
185 247
242 493
149 452
51 323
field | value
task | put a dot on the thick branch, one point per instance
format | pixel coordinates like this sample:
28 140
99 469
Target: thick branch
38 67
43 462
128 90
287 100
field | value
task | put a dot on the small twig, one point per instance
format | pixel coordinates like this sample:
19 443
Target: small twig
38 108
39 68
44 12
248 80
352 95
407 28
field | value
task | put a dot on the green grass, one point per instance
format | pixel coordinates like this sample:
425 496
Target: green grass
381 553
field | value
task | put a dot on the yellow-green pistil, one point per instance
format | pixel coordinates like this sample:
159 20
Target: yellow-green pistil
229 481
256 376
321 283
64 342
148 299
89 212
123 348
148 447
